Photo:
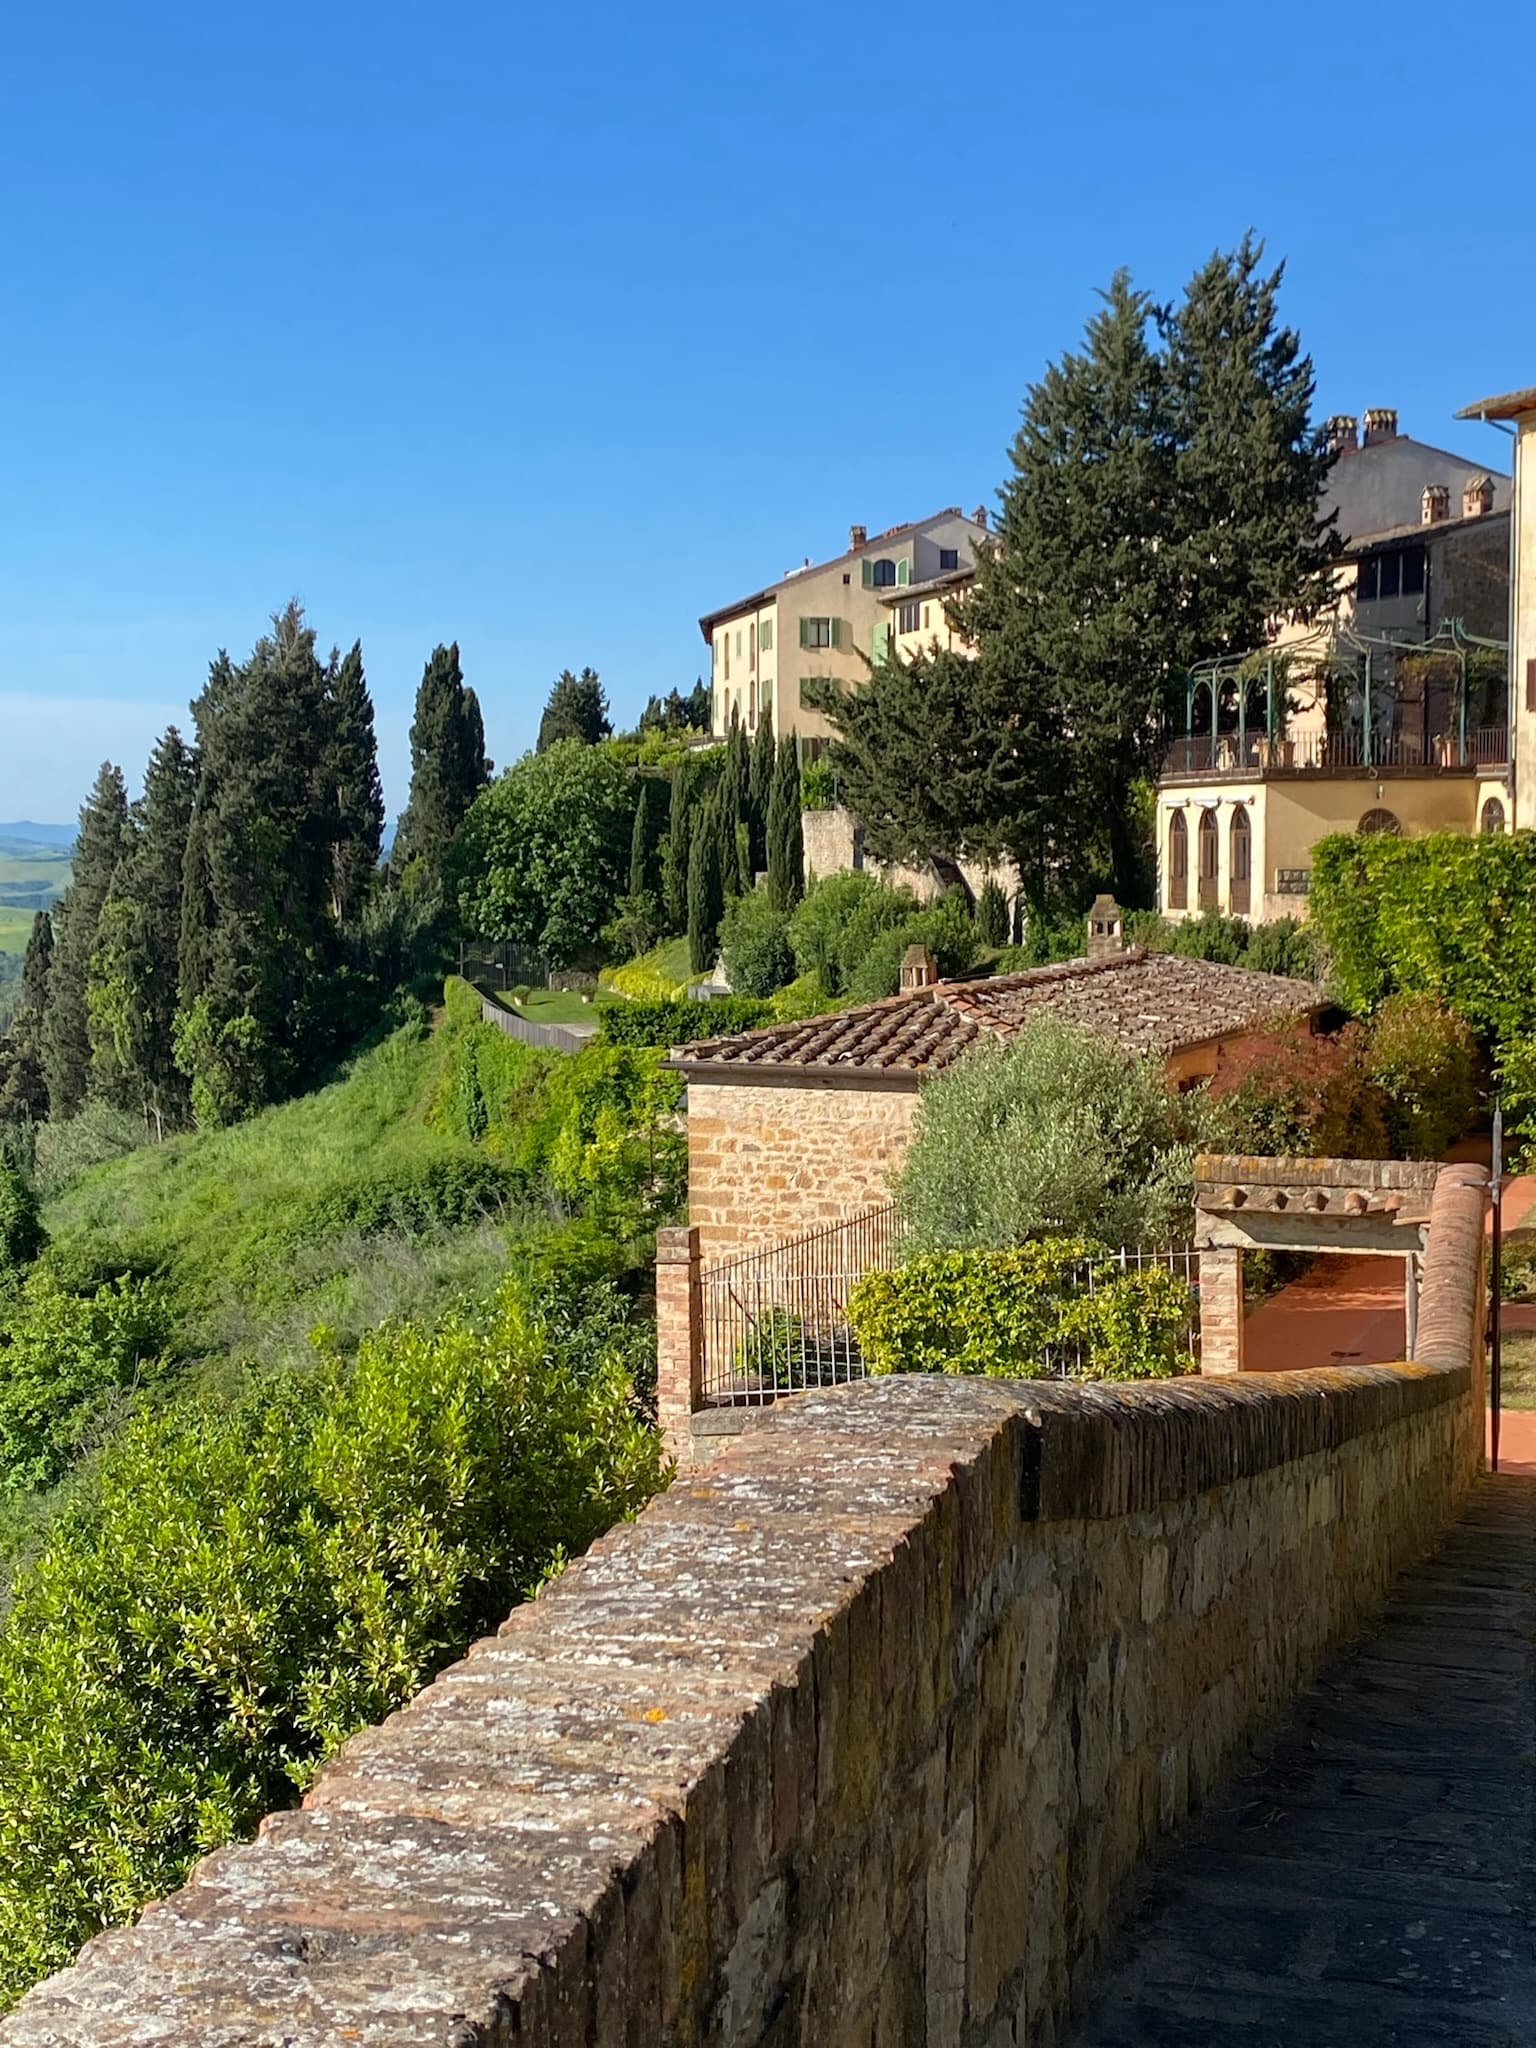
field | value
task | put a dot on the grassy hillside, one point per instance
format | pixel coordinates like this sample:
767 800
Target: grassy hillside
335 1210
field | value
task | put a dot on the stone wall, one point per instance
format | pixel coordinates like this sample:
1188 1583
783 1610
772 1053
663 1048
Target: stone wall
853 1741
830 850
766 1163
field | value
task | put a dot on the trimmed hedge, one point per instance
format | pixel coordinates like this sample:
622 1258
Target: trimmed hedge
681 1021
1025 1313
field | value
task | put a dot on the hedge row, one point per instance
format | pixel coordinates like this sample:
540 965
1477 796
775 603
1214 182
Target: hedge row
680 1021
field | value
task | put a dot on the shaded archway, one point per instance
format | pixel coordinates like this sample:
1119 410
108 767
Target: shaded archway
1380 821
1210 861
1178 862
1493 815
1240 862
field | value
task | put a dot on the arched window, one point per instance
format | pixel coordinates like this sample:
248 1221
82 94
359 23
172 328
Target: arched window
1380 821
1210 861
1493 815
1240 858
1178 862
885 573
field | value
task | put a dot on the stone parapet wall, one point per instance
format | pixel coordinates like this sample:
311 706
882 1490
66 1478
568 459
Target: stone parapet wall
852 1740
767 1163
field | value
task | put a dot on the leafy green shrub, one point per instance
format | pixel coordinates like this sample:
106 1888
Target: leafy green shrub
1286 945
1028 1312
242 1586
803 997
68 1362
754 938
1426 1061
679 1022
414 1197
992 914
944 928
1295 1096
21 1225
1059 1132
818 786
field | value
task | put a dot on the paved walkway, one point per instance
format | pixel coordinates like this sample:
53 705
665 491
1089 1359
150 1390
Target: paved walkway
1370 1884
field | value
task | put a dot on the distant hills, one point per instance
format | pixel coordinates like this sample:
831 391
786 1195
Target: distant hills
21 836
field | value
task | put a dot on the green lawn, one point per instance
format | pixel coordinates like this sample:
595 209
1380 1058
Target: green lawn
560 1006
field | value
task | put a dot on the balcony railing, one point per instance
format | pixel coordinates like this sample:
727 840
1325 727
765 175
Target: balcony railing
1231 753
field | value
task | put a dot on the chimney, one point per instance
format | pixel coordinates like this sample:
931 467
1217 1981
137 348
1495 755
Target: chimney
857 536
1106 929
1477 497
1343 432
1380 424
918 968
1435 504
980 516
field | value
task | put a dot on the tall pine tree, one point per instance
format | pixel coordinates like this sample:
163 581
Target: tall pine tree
577 710
353 791
257 932
23 1085
677 846
759 790
734 810
66 1029
786 841
133 973
706 890
448 765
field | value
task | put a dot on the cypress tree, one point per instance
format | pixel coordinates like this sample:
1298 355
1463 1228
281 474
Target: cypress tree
992 914
577 710
640 842
786 841
352 786
706 897
759 790
66 1031
23 1085
133 974
676 848
448 764
257 932
735 809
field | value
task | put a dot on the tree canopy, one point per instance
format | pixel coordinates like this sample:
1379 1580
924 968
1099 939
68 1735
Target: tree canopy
576 710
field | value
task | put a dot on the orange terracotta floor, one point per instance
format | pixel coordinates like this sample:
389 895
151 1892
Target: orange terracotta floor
1350 1312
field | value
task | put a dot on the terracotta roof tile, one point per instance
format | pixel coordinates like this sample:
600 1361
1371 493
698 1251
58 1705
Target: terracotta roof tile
1147 1002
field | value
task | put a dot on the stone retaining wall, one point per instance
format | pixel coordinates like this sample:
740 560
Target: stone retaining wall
850 1742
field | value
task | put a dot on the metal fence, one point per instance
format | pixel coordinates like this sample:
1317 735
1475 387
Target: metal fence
1231 753
776 1320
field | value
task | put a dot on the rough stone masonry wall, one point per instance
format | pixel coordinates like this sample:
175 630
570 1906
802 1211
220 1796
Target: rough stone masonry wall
852 1742
767 1163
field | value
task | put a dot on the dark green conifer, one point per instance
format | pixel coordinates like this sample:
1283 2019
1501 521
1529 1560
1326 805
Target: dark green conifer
66 1031
448 765
577 710
676 847
23 1085
352 786
706 896
759 791
786 842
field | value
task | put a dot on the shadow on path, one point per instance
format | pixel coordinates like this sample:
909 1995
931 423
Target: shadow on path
1370 1881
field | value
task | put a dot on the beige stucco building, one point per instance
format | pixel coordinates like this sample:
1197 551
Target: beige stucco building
828 621
1517 410
1390 714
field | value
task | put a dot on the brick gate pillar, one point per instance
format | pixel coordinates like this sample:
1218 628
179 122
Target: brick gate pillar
1221 1311
679 1339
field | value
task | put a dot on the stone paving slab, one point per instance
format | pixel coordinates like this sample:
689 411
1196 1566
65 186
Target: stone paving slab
1371 1880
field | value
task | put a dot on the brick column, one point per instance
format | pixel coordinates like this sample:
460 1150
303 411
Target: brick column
1221 1311
679 1339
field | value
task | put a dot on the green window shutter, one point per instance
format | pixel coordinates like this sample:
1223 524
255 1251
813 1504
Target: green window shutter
904 570
805 632
867 571
882 642
837 632
765 638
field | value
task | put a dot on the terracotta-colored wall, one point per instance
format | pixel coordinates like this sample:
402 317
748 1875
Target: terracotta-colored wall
766 1163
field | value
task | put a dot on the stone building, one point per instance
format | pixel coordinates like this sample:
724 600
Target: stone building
799 1125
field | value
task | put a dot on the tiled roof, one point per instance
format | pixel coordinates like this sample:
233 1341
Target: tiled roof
1147 1002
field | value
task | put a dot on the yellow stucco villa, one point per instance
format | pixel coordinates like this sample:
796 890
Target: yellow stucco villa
1392 714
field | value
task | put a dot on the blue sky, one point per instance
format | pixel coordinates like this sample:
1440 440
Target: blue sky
547 328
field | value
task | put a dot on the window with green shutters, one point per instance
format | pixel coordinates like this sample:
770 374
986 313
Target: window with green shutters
821 632
904 570
882 642
765 638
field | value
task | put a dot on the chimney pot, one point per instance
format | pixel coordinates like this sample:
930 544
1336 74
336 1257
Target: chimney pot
1106 929
1380 424
919 969
980 515
1343 432
1435 504
857 536
1477 497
